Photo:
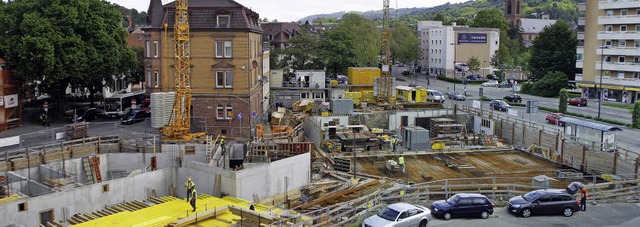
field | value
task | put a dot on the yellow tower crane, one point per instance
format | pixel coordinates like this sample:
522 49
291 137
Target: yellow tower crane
179 125
385 83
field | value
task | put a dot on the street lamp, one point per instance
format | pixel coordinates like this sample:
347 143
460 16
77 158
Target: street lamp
601 70
454 65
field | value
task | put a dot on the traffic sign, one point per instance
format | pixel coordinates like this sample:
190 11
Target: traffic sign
239 116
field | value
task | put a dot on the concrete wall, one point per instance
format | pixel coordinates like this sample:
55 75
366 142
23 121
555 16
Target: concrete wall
479 128
88 198
263 180
394 118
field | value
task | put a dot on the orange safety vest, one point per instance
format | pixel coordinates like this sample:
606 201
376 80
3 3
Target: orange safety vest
583 193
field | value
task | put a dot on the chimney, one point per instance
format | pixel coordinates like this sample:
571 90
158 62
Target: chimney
130 21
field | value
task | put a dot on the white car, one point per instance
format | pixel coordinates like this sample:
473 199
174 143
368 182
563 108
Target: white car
400 214
491 83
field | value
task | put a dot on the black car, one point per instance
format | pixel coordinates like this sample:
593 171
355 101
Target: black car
492 77
463 205
85 114
544 201
505 84
499 105
513 98
474 77
134 116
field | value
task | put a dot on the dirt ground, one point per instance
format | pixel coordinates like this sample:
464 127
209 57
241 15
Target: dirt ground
514 166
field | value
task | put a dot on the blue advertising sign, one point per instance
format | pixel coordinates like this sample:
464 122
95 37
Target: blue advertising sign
472 38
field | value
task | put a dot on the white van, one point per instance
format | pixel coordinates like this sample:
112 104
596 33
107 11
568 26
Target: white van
435 96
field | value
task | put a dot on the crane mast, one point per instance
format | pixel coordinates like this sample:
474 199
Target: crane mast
179 125
385 81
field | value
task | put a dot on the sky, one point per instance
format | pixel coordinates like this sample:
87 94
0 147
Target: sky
293 10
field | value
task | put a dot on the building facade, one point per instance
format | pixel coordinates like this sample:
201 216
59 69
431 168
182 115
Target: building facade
512 13
447 48
10 104
226 57
609 50
279 34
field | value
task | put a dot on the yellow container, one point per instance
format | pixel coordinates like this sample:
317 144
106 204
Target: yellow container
353 95
324 114
438 146
362 75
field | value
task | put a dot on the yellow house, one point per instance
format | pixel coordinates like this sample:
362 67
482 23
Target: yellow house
226 63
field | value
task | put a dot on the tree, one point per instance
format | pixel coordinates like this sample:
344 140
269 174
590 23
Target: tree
301 54
440 17
367 47
492 18
554 50
635 115
473 64
562 100
404 43
548 86
56 43
137 73
337 51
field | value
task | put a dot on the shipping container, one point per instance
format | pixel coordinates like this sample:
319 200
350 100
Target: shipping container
362 75
341 106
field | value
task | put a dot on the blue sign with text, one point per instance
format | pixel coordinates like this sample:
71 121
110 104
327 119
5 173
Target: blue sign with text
472 38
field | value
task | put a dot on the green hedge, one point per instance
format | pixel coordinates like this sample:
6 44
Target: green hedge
619 105
515 103
484 98
610 121
458 81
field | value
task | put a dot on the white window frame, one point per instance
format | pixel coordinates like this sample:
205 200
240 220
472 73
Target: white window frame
228 111
637 43
157 78
622 43
227 79
621 59
228 21
608 43
609 13
623 28
608 28
220 112
224 49
148 45
155 49
624 12
637 27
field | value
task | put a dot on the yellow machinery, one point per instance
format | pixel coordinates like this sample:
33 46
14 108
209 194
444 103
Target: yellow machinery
411 94
385 81
179 125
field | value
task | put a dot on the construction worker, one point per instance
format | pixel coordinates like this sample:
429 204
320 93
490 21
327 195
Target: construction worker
194 194
222 144
583 199
401 163
190 187
394 141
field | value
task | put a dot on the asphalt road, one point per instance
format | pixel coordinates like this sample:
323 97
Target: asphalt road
628 138
620 214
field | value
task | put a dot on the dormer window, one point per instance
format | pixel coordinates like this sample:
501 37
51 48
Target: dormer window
224 21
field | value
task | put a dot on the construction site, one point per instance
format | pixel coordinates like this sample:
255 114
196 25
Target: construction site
314 163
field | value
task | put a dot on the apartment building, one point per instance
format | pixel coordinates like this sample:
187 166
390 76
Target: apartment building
609 50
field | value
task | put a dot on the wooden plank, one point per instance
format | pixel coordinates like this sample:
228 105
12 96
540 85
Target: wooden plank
200 217
250 215
335 195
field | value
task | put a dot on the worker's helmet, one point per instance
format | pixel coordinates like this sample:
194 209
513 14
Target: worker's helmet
189 179
394 136
223 137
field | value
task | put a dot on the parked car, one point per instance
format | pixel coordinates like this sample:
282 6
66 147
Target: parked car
456 95
435 96
577 101
463 205
491 83
474 77
405 72
513 98
400 214
85 114
492 77
505 84
401 64
544 201
554 118
134 117
499 105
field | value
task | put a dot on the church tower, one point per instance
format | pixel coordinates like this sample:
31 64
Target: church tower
512 12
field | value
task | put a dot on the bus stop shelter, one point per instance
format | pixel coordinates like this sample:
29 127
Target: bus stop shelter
589 133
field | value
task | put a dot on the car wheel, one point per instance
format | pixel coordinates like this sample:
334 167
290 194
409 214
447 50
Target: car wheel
484 215
579 105
423 223
447 216
526 213
567 212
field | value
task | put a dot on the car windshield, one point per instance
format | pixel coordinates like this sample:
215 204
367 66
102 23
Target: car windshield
437 93
531 196
453 200
388 214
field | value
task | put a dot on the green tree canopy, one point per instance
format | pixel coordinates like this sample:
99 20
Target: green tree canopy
62 42
562 100
337 50
635 115
554 50
491 18
367 47
473 64
404 43
301 54
548 86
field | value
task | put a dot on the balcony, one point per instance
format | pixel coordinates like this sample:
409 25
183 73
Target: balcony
580 36
618 35
611 80
619 66
617 4
582 7
579 64
580 50
581 21
619 19
619 51
579 77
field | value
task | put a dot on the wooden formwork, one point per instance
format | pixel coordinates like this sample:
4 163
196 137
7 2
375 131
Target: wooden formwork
3 166
24 162
268 152
52 156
